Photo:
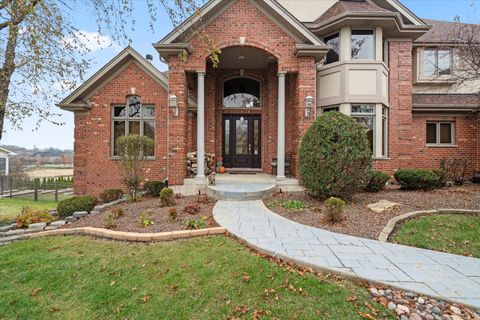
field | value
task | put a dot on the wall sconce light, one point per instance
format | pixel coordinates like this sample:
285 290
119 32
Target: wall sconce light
308 106
173 103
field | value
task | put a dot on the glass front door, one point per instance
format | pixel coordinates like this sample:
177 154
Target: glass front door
242 141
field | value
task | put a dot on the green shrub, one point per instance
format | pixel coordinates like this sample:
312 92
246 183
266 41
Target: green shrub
167 197
67 207
377 182
145 219
335 207
29 216
442 177
194 224
153 188
111 195
335 157
417 179
294 205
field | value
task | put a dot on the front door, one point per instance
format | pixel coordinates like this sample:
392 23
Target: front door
242 141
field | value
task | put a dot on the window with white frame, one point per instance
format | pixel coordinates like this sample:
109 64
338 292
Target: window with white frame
365 115
363 44
440 133
135 119
435 62
322 110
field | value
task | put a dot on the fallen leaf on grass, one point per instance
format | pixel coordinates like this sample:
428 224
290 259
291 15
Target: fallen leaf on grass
241 309
35 292
366 315
246 277
352 299
145 299
372 308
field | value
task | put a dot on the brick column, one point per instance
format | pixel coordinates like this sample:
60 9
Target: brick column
177 152
80 154
400 96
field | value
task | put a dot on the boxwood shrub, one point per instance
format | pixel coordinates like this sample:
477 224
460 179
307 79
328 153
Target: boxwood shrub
153 188
335 157
67 207
377 182
417 179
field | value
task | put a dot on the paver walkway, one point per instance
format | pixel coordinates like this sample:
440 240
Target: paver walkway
436 274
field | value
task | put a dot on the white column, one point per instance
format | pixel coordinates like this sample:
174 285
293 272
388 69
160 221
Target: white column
281 127
345 44
377 153
201 126
378 44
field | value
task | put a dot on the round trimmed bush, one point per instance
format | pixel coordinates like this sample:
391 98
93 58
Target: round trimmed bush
335 157
153 188
167 197
67 207
377 182
417 179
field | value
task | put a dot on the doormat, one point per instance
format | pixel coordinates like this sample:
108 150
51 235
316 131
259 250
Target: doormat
252 173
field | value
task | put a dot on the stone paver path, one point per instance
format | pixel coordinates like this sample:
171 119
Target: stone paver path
436 274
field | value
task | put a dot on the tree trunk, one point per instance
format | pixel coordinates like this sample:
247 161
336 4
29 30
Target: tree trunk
6 72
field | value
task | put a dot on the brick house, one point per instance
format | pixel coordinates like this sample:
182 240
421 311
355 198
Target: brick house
282 64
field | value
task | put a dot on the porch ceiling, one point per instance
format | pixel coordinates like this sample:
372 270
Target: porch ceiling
245 58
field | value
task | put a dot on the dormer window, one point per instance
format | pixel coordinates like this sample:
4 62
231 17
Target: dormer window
363 44
436 62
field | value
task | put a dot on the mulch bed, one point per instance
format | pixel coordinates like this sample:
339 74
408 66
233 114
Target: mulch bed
362 222
131 221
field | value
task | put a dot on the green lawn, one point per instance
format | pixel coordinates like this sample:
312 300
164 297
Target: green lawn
202 278
10 208
459 234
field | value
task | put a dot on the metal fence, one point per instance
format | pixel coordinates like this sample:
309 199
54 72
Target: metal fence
52 188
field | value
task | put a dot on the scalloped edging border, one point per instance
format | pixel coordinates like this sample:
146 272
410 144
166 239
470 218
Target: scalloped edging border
124 236
393 223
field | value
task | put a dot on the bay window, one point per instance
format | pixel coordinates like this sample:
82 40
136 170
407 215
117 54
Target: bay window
374 119
363 44
135 119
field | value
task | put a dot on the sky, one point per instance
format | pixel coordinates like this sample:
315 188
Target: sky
50 135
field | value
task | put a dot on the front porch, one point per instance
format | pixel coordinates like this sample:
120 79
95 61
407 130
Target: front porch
233 186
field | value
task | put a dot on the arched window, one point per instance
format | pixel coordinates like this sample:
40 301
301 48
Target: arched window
241 93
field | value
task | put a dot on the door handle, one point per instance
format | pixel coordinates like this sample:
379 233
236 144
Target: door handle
249 149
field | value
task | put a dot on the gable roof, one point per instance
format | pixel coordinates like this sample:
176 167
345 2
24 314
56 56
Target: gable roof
76 100
444 32
7 152
215 7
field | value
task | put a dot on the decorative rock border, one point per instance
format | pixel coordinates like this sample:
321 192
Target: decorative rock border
10 232
392 223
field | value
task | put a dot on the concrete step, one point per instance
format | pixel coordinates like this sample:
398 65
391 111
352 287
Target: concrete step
241 192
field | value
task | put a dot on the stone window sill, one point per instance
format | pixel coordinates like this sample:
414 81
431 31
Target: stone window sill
432 145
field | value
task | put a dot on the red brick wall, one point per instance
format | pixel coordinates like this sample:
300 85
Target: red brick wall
242 19
95 171
466 141
400 111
